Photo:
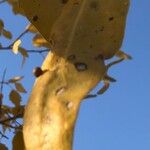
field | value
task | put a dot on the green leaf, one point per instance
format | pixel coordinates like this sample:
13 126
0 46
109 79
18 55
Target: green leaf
15 97
20 88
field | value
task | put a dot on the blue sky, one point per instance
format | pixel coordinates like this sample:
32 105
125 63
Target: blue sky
120 118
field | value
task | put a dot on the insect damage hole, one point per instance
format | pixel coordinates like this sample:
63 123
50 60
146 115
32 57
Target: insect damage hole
80 66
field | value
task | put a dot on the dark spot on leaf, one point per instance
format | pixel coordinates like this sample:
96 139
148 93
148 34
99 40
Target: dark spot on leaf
100 56
35 18
102 28
71 57
111 18
94 5
64 1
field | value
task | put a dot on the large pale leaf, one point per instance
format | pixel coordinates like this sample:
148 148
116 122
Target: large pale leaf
89 26
43 14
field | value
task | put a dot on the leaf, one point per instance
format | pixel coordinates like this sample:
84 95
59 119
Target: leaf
16 6
18 142
39 41
15 79
31 28
15 97
7 34
104 88
47 13
1 97
23 52
20 88
3 147
1 25
15 47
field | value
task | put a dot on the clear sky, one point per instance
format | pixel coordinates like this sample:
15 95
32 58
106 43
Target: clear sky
119 119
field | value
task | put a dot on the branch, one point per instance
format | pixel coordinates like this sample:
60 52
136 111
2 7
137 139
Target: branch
20 115
3 135
29 50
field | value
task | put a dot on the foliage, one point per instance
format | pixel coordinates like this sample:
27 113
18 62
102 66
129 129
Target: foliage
11 115
91 72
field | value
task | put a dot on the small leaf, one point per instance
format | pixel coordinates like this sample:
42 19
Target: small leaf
15 79
3 147
18 142
15 97
7 34
20 88
15 47
104 88
23 52
1 25
31 28
39 41
1 97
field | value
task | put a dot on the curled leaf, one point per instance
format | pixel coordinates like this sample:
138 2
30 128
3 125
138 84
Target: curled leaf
23 52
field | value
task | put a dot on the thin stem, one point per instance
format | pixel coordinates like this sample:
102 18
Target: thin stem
21 35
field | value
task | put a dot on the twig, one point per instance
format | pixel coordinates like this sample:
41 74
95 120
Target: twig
3 135
21 35
29 51
3 78
13 127
11 118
